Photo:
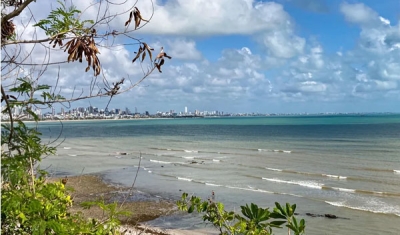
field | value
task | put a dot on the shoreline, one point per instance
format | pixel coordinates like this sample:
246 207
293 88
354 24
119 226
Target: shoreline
91 120
143 206
103 119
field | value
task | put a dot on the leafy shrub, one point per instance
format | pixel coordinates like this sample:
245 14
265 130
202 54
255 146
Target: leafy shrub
252 220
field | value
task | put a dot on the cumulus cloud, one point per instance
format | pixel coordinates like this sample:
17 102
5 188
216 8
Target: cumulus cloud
180 48
378 53
235 76
208 17
358 13
283 66
283 44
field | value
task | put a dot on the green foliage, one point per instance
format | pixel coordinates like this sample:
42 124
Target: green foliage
41 211
30 204
252 220
63 20
26 89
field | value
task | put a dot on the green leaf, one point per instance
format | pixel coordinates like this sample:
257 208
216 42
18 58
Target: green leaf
191 209
22 217
184 196
277 223
43 87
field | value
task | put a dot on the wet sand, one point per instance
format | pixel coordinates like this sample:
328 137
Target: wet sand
143 207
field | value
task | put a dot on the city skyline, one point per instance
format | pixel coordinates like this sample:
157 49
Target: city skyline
93 112
126 110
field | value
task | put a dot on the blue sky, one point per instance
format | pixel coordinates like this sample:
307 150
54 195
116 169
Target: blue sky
283 56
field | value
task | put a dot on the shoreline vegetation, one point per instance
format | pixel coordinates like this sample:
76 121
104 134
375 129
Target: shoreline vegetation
143 208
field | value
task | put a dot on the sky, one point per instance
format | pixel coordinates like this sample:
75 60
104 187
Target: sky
236 56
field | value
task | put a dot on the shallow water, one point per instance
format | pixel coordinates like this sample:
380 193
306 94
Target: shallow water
343 165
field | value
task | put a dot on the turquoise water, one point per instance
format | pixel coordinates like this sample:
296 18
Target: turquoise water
343 165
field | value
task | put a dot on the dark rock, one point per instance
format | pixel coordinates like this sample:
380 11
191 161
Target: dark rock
311 214
330 216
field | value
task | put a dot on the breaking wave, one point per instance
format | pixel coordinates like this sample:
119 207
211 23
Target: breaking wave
272 169
162 162
184 179
188 157
308 173
308 184
214 185
335 176
264 150
381 209
281 151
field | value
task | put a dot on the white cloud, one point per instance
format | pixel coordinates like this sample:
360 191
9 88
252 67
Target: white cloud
234 76
283 66
184 49
209 17
284 44
384 21
358 13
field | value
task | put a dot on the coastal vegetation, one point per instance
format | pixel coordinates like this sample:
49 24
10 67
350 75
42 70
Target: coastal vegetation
252 220
30 202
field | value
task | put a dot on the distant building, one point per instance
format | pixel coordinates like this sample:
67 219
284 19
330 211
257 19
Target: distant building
186 110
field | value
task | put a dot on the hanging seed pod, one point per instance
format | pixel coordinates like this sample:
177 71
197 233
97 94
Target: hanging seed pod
7 30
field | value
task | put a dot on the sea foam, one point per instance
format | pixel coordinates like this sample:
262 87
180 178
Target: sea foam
272 169
282 151
163 162
184 179
335 176
308 184
381 210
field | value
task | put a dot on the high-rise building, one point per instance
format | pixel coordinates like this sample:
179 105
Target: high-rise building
186 110
90 109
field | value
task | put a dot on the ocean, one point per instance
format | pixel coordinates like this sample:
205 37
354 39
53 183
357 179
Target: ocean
346 165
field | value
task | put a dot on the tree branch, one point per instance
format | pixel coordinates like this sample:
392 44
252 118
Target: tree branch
8 107
17 11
